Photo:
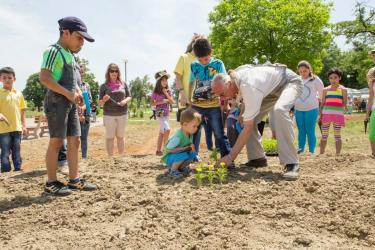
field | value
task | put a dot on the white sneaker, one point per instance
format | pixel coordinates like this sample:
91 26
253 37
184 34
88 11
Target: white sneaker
291 172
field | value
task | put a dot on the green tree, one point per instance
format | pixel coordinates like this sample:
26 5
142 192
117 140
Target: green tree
284 31
332 58
140 88
354 62
34 91
362 28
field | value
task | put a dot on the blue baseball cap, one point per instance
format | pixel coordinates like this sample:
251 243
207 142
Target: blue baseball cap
75 24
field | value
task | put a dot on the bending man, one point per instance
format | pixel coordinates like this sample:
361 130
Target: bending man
263 88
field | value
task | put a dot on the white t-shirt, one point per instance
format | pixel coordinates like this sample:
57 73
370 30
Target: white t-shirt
312 92
255 83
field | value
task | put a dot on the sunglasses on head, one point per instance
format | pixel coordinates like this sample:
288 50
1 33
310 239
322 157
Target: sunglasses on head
113 71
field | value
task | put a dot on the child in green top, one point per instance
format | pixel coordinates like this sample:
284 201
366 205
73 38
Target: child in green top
179 151
58 75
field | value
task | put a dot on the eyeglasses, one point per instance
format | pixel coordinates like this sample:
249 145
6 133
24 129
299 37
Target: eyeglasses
113 71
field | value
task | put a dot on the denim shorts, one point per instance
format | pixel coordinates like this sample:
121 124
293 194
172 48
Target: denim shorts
62 116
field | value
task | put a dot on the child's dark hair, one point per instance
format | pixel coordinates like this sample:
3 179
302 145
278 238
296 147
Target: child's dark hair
202 47
7 70
62 31
159 87
334 71
188 115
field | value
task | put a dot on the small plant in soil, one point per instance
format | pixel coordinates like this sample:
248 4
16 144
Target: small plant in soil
200 175
270 147
210 174
214 156
222 172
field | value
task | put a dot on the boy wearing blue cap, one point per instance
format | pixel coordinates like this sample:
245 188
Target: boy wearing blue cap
60 104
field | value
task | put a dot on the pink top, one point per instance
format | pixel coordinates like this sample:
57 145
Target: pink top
114 85
333 108
157 98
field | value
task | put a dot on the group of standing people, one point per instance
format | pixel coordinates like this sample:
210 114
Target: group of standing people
203 83
263 89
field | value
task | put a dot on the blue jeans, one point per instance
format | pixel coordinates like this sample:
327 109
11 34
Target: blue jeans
232 131
10 145
85 127
216 123
306 122
208 133
62 152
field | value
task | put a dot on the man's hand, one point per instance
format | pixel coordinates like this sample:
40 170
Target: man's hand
227 160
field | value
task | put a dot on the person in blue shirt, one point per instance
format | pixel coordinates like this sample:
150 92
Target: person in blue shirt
200 97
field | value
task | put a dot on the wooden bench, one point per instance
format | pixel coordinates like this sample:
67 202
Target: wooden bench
43 125
40 124
33 129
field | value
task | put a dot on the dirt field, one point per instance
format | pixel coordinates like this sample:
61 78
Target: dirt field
332 205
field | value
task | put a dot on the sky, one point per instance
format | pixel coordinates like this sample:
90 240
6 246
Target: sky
149 34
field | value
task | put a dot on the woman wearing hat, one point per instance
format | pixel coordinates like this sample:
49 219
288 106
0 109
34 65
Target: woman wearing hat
114 96
161 98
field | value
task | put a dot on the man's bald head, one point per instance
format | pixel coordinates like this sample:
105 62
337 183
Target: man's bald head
222 85
218 83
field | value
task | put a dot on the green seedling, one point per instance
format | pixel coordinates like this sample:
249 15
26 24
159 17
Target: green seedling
210 174
200 175
222 172
269 145
214 156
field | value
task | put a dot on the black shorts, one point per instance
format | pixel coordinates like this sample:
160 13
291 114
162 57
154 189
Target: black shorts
62 116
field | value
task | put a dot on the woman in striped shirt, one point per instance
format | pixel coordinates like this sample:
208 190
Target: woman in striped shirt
332 109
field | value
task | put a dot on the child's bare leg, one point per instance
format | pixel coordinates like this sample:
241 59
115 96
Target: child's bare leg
73 146
323 142
51 157
160 142
337 133
166 136
338 147
185 164
372 143
177 165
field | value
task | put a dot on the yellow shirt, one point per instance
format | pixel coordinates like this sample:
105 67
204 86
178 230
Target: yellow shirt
183 69
11 104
